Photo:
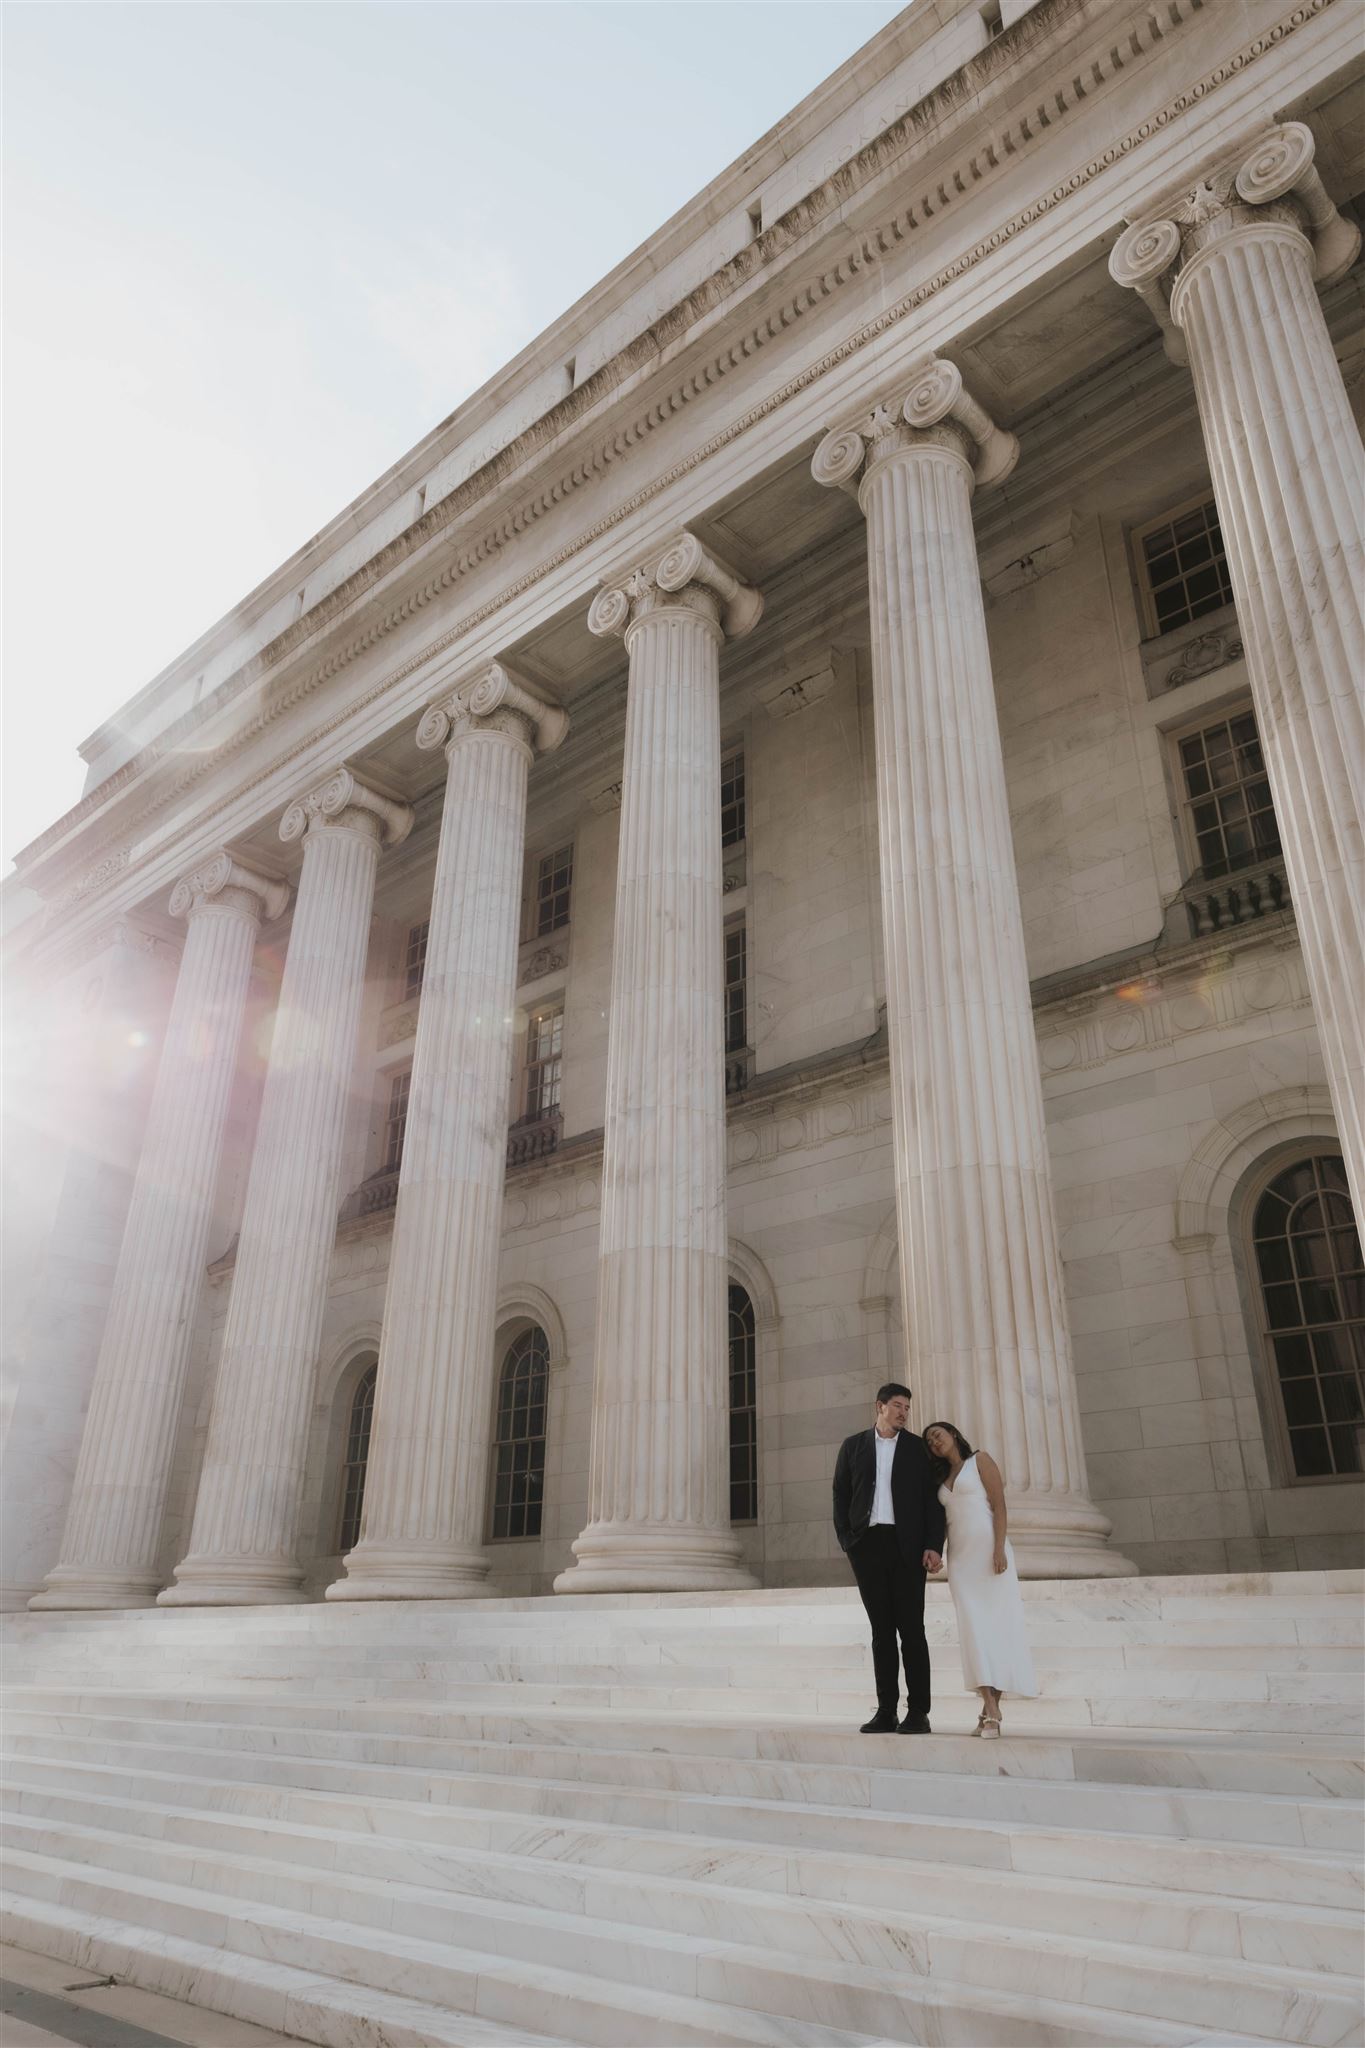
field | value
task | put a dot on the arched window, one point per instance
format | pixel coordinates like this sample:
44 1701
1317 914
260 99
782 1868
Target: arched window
1313 1296
357 1457
519 1436
743 1409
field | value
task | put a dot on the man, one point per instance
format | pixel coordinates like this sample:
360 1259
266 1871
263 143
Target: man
889 1521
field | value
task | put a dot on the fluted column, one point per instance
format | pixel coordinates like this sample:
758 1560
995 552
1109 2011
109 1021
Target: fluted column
113 1525
1241 251
659 1487
245 1518
422 1519
984 1308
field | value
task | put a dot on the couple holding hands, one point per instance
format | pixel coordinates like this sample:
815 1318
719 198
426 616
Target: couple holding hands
896 1496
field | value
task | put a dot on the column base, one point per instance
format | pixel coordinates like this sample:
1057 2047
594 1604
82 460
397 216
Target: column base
643 1557
69 1588
1061 1536
382 1571
233 1582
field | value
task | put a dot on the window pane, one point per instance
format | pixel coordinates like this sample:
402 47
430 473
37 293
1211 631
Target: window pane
1319 1302
1332 1350
1282 1307
1312 1454
1346 1251
1295 1181
1274 1261
1293 1356
1346 1447
1301 1403
1313 1255
1341 1398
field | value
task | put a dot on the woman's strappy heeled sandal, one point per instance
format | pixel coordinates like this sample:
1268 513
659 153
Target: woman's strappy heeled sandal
987 1725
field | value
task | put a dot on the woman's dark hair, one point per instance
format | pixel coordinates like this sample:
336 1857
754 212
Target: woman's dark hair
964 1448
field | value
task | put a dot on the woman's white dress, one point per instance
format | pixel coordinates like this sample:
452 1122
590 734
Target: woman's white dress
990 1608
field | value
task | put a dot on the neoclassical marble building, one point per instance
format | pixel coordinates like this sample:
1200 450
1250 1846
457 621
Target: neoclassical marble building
811 830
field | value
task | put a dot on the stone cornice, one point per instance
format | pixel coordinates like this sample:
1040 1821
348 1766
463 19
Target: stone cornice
996 152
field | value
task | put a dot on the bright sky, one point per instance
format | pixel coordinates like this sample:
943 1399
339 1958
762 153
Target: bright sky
254 251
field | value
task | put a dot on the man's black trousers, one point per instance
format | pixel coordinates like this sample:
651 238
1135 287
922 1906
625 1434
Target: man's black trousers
893 1594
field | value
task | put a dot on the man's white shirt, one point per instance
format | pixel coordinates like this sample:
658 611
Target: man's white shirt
882 1510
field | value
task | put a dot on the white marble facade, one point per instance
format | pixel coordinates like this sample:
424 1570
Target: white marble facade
1000 1013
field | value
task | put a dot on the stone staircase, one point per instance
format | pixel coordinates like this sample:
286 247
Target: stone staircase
648 1821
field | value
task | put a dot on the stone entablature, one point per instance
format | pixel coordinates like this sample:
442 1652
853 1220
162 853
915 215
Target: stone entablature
1051 97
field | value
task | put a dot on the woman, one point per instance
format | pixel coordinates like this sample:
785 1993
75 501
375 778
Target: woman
981 1577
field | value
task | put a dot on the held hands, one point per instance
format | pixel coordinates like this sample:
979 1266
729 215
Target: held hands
933 1561
1000 1561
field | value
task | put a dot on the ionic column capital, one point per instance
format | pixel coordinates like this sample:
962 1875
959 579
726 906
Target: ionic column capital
934 410
226 883
344 801
1272 189
682 576
492 699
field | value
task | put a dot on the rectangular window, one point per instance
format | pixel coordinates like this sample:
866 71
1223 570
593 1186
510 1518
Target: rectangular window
396 1120
544 1063
732 821
415 960
736 989
554 883
1227 796
1183 566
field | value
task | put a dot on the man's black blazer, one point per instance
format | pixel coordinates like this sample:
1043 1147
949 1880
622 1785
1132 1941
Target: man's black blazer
914 1493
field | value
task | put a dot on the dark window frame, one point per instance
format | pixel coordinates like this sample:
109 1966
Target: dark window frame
1227 809
543 1088
1305 1267
1182 566
415 959
553 894
355 1460
734 817
396 1119
736 988
516 1487
742 1358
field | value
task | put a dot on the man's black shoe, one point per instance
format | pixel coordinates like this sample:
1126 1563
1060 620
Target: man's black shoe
915 1724
883 1722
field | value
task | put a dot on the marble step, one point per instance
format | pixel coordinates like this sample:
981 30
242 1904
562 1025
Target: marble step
1314 1766
595 1820
749 1948
1336 1618
263 1993
705 1885
513 1998
956 1714
1194 1591
772 1844
772 1954
736 1996
757 1664
543 1779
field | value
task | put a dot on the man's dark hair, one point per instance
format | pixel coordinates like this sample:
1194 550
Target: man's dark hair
890 1391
